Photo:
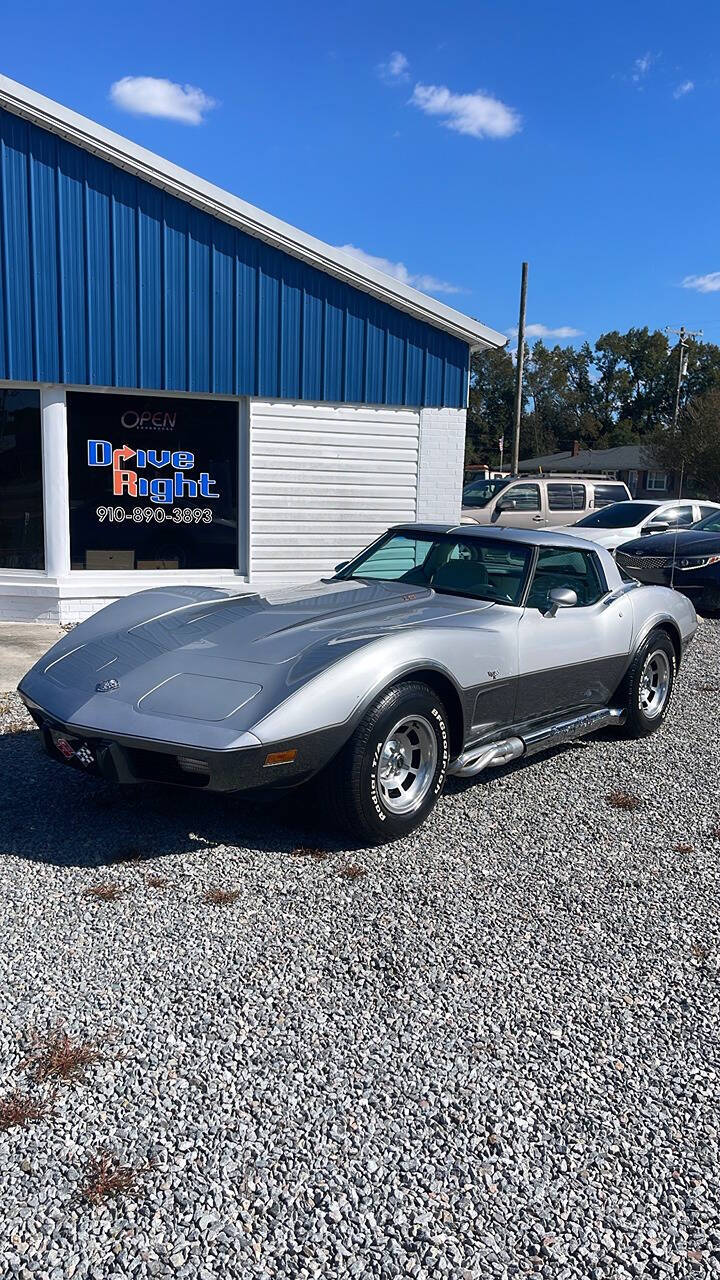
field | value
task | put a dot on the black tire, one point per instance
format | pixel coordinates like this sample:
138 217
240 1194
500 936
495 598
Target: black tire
655 665
353 794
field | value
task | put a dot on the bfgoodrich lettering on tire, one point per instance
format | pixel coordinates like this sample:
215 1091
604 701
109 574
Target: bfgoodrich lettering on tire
648 685
388 776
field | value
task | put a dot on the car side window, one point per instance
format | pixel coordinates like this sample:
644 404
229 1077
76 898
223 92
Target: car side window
566 497
520 497
706 510
680 517
607 493
565 567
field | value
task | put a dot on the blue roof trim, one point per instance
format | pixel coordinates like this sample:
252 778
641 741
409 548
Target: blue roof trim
105 280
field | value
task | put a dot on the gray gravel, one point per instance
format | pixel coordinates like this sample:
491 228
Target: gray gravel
494 1054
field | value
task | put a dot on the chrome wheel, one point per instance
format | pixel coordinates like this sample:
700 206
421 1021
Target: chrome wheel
654 684
406 767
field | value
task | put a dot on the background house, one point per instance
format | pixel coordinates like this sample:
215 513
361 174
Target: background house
192 390
633 463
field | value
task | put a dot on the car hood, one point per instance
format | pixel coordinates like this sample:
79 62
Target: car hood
211 658
690 542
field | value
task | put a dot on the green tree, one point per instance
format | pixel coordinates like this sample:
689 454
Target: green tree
694 448
621 391
490 408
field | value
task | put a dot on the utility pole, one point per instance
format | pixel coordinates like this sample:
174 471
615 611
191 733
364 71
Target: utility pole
683 337
519 371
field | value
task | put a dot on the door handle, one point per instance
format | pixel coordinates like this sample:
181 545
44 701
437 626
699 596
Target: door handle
537 519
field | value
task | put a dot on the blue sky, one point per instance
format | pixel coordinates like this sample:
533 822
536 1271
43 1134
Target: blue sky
454 140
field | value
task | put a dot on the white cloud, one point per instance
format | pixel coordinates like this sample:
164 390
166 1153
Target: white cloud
475 114
429 284
703 284
687 86
642 65
396 70
150 96
543 331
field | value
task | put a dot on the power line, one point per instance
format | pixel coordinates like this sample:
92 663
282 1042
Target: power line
684 336
519 372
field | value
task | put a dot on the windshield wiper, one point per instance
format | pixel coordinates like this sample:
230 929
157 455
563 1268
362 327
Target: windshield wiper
467 595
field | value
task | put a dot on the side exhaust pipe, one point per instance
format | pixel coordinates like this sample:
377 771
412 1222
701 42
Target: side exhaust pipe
494 754
488 757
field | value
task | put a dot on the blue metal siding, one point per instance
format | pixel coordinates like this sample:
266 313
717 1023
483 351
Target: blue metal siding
105 280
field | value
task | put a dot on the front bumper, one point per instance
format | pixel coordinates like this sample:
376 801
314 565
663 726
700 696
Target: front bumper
130 760
699 585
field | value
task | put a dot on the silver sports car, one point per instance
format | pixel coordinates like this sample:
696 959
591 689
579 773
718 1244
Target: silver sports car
438 650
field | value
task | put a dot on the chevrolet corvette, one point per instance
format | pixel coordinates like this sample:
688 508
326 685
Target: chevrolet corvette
438 650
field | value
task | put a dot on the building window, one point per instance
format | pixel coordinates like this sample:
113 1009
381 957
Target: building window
658 481
153 482
22 544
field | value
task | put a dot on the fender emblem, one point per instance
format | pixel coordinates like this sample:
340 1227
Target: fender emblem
107 686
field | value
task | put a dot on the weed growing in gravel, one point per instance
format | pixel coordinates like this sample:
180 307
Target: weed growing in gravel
221 897
352 871
55 1056
157 882
306 851
700 952
107 1177
105 892
19 1109
683 848
619 799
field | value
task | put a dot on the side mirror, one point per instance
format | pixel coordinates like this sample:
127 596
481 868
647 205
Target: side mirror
657 526
342 565
560 598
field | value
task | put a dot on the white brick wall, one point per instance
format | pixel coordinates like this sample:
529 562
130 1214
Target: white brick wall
440 464
48 607
28 609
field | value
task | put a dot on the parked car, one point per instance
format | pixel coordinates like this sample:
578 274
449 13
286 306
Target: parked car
434 651
479 471
623 520
688 560
536 502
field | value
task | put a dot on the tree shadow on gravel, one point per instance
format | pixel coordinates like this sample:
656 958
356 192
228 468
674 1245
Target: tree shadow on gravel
52 813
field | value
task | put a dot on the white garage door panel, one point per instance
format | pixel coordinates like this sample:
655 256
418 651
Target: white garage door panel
326 481
341 413
267 505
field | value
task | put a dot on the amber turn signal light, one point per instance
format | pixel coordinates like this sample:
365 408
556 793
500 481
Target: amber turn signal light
280 757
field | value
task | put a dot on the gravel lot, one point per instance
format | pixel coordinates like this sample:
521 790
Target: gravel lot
495 1053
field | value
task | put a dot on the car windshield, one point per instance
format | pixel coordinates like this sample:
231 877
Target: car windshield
619 515
481 568
479 492
711 523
